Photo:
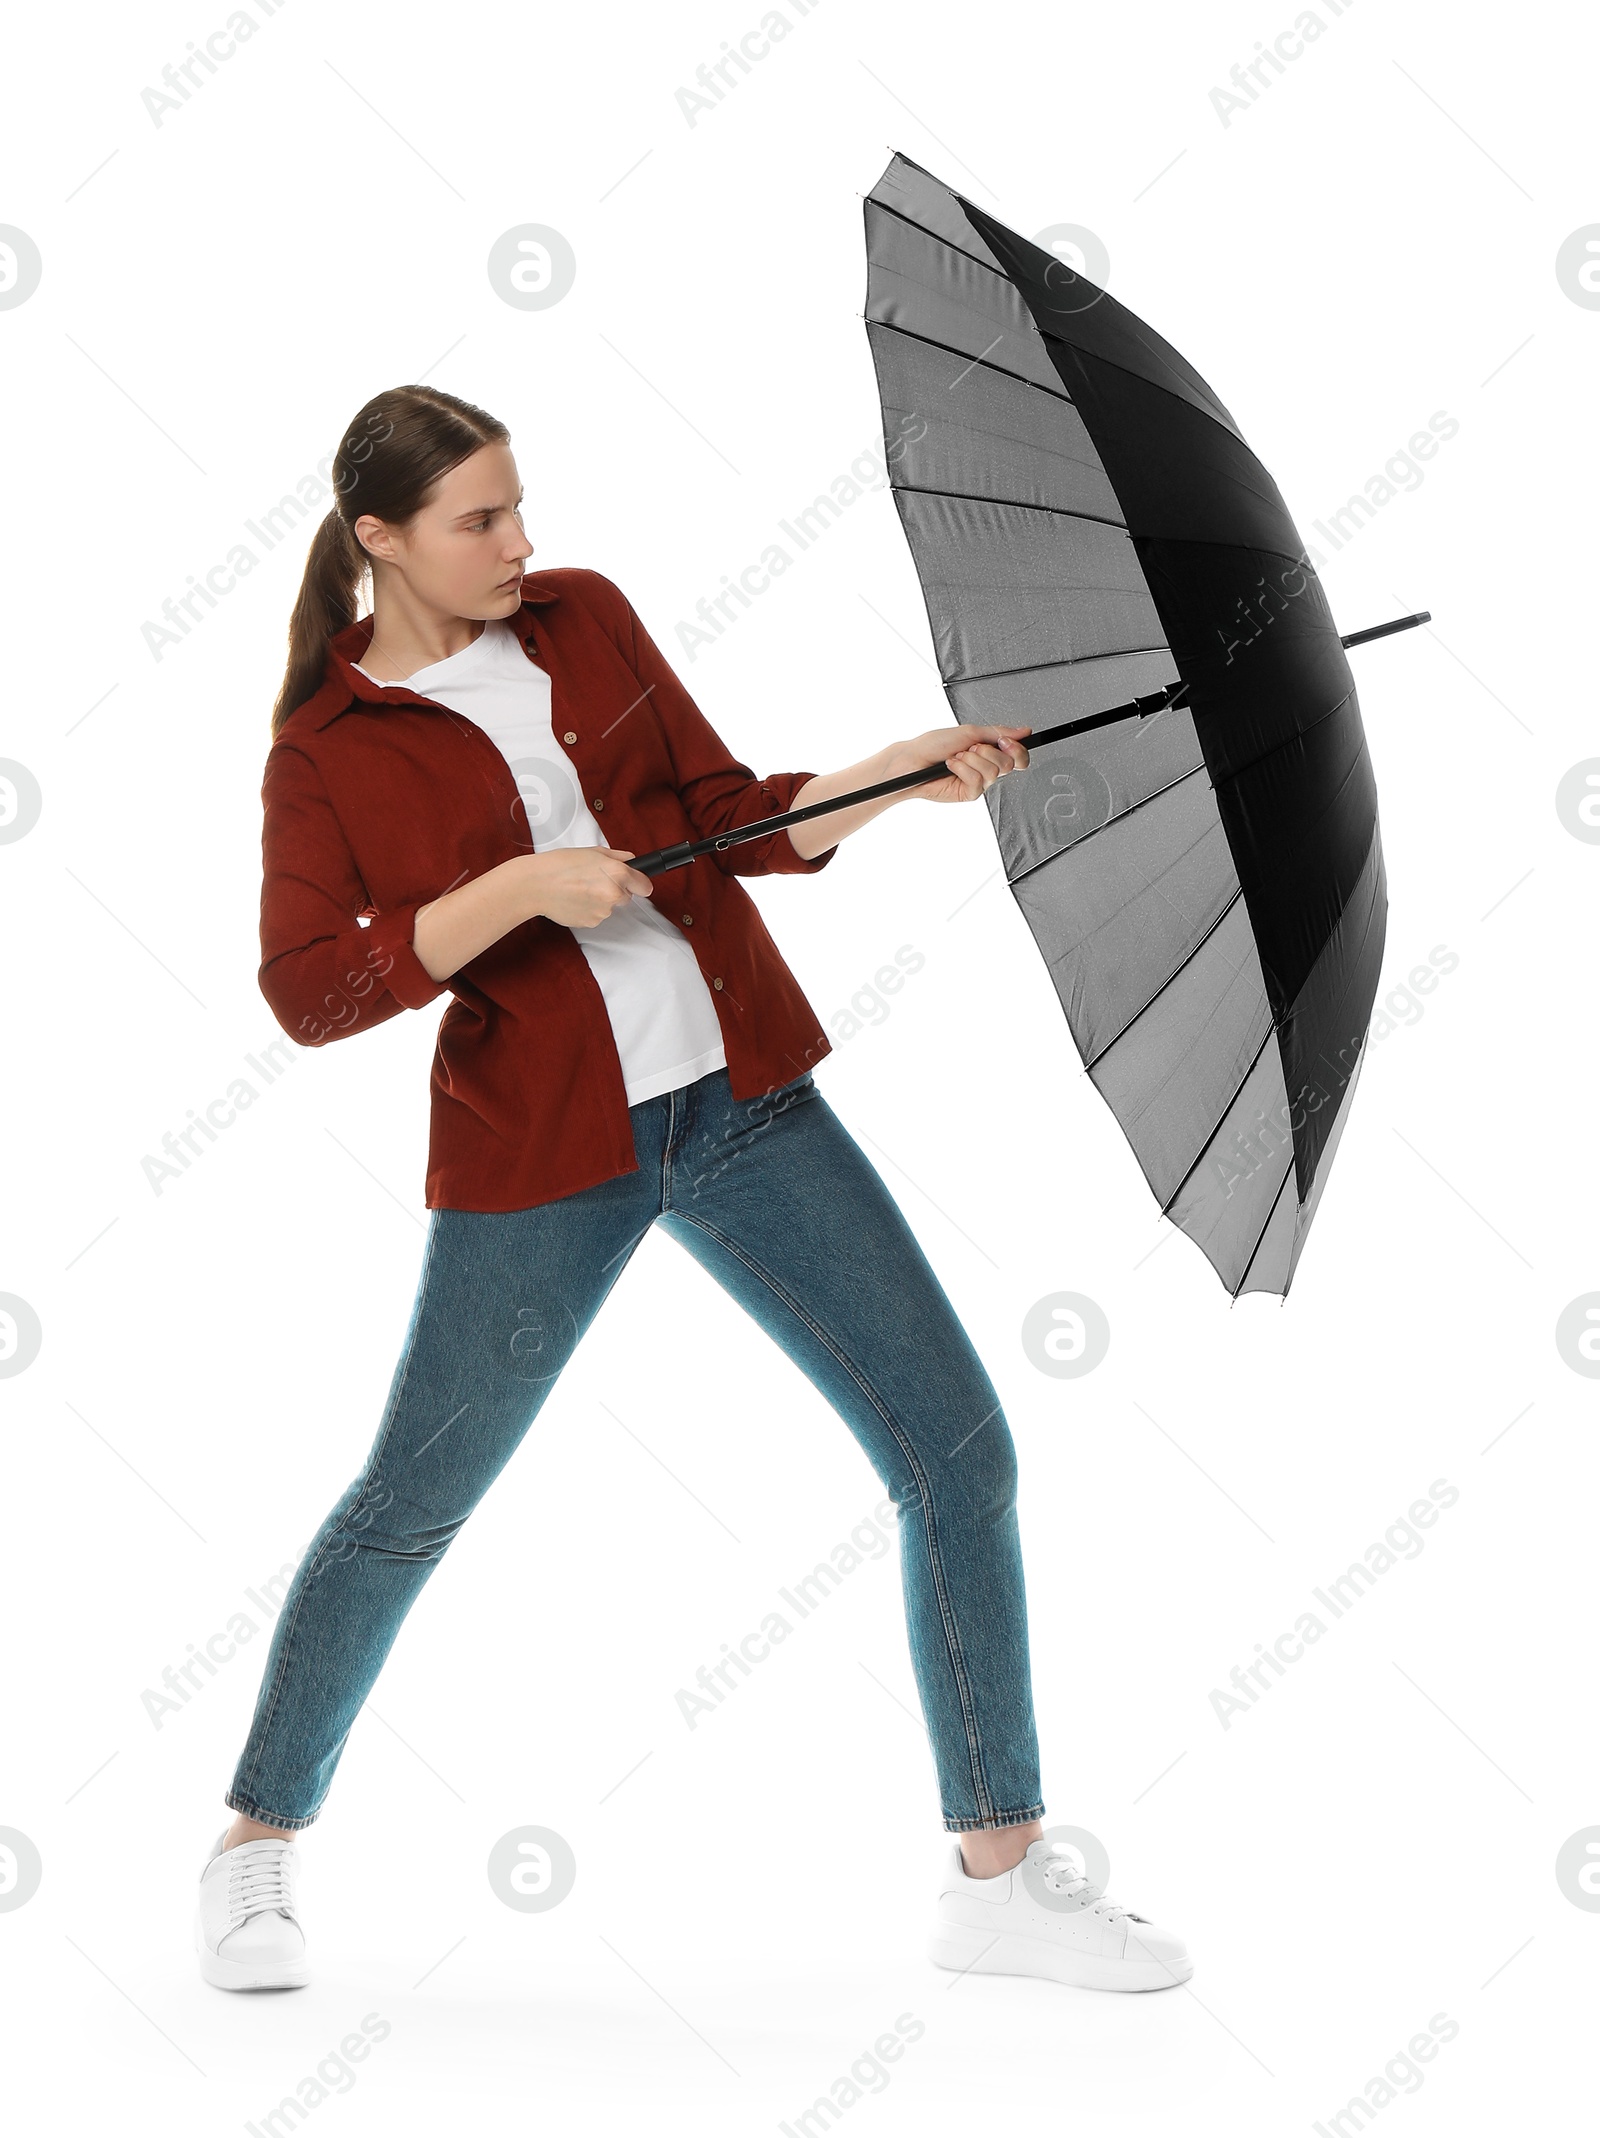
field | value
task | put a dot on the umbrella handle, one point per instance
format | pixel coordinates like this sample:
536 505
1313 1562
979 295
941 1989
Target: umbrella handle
1161 701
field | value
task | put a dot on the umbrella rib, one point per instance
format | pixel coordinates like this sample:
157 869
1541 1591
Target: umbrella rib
1333 929
1256 549
1223 422
1206 1145
1221 1006
1333 925
1015 504
1121 817
930 341
940 239
1271 1213
1188 958
1038 668
1285 742
1178 1190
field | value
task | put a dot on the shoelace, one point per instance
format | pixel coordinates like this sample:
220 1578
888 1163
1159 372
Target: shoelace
261 1881
1061 1875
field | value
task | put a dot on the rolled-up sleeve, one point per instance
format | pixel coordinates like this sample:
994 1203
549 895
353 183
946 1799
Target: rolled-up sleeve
718 793
323 973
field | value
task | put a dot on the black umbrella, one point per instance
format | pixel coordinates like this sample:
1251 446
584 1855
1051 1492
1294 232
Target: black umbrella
1195 845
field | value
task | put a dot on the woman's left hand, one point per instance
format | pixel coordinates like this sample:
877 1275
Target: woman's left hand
977 757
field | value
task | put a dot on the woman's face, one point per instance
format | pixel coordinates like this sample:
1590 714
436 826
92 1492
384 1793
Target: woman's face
463 553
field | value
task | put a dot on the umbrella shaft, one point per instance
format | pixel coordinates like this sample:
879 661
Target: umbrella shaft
672 857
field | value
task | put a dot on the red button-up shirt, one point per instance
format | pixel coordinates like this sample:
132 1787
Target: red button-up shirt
378 800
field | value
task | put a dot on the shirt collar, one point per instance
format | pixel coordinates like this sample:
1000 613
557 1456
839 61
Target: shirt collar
343 684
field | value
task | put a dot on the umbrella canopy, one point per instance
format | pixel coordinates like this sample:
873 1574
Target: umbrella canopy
1206 885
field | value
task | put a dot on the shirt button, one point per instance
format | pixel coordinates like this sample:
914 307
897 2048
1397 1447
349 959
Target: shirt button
597 803
716 983
569 736
688 920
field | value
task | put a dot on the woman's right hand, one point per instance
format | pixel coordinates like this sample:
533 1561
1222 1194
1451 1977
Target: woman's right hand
575 885
579 885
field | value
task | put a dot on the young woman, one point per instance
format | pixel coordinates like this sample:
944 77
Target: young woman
454 790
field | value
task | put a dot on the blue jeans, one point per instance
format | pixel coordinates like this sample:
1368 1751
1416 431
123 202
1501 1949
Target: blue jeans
774 1197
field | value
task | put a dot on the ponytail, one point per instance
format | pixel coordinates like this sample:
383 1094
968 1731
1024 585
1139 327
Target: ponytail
326 605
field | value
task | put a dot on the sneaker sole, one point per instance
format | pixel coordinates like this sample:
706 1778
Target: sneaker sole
982 1953
252 1975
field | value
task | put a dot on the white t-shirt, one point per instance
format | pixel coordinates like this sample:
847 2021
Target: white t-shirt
662 1015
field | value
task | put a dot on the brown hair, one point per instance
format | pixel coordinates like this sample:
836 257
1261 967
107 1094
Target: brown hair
394 451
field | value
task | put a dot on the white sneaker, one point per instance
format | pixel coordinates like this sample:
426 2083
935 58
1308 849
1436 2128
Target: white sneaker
246 1929
997 1926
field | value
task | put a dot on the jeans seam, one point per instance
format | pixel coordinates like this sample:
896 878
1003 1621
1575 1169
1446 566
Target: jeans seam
252 1810
952 1641
392 1413
1000 1818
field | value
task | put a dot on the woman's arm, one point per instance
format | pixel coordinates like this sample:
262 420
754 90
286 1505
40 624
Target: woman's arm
577 886
324 974
977 763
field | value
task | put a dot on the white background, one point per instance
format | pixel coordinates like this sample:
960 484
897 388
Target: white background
1373 1843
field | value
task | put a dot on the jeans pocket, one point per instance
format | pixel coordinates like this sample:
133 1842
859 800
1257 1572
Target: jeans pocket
747 1118
794 1093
